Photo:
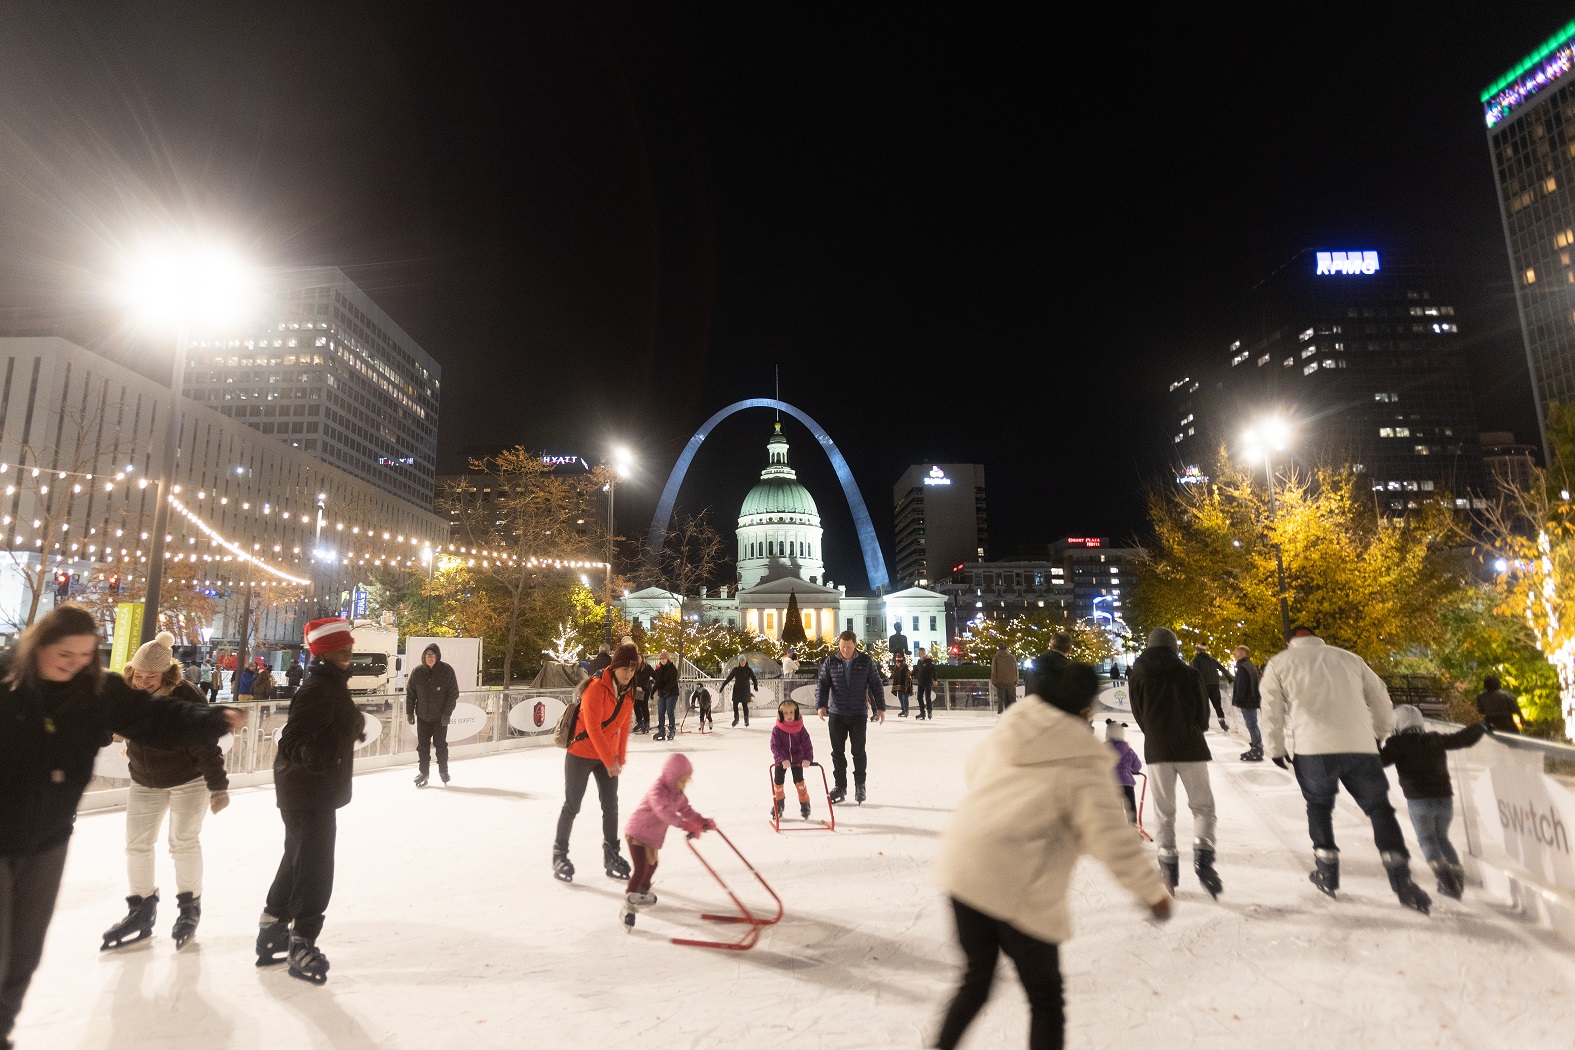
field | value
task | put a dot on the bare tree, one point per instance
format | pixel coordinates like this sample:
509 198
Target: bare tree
692 555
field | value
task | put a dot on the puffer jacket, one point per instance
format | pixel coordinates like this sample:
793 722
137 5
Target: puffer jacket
163 768
790 743
1332 701
315 760
664 806
1170 705
1040 794
846 687
431 692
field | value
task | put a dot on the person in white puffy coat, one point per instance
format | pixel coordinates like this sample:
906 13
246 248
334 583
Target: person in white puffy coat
1041 793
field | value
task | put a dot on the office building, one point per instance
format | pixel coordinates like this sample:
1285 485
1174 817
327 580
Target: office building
1530 117
941 520
1077 578
330 373
1508 462
1360 353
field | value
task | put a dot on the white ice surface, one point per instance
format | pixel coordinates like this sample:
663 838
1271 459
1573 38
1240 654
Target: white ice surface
448 930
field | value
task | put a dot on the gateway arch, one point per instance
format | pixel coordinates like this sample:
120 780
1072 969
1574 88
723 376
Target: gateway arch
874 561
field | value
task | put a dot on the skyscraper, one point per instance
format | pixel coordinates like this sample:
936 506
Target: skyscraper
1359 352
941 520
1530 116
331 374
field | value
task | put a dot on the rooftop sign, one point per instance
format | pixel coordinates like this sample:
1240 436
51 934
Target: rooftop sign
1534 72
1084 541
1347 263
937 477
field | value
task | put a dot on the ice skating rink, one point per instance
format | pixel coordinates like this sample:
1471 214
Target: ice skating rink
448 930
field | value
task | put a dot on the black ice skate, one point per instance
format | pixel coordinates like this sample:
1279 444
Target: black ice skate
1170 868
838 796
443 776
186 922
306 962
617 867
273 937
803 810
421 780
858 793
1326 876
1223 727
1398 865
137 925
562 867
1451 879
1252 754
776 808
660 735
1203 867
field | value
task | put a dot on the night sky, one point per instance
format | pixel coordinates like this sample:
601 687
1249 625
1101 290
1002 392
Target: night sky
961 235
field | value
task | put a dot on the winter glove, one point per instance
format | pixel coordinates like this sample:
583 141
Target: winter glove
1160 912
411 718
694 827
708 824
219 800
1282 762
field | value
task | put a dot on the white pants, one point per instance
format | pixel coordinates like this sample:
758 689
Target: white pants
187 805
1194 776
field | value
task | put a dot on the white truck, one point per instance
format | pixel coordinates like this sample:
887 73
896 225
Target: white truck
375 645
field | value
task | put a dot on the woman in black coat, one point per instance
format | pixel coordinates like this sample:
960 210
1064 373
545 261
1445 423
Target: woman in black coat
57 709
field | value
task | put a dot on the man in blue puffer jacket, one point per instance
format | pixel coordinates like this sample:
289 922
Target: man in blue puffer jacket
848 681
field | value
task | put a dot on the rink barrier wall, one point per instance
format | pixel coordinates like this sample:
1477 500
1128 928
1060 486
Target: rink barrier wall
484 722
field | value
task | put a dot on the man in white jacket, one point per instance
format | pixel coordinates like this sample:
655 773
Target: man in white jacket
1338 711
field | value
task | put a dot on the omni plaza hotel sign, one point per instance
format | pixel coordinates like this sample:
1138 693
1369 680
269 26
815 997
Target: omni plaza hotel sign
937 477
1363 263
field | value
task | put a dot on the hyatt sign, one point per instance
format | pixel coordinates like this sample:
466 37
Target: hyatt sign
1347 262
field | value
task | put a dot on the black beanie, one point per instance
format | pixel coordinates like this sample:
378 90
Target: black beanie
1072 689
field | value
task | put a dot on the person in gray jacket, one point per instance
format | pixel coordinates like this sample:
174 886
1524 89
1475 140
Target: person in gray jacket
430 695
848 681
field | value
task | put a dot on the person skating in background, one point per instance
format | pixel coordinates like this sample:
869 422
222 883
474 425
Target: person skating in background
702 698
241 683
848 681
744 683
431 694
59 708
901 683
1212 672
1498 707
791 750
293 674
1128 765
1419 761
1003 678
208 681
599 664
599 749
665 681
1245 697
1052 662
184 782
924 684
1172 709
262 682
1039 795
789 665
644 685
191 673
1338 710
311 778
664 805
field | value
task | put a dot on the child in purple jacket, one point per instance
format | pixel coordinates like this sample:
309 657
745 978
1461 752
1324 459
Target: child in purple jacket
790 749
1128 764
665 804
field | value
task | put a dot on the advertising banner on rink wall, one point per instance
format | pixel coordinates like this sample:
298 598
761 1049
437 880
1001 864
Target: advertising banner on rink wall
1519 818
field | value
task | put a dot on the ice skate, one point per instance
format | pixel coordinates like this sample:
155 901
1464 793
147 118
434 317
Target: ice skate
443 776
803 810
562 867
838 795
186 922
1326 876
858 793
1170 868
1223 727
776 808
273 937
1411 895
660 735
643 899
1203 867
421 780
626 913
1252 754
1450 884
617 867
306 962
136 926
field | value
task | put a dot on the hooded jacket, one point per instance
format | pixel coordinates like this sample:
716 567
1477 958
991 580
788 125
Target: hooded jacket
1332 701
431 692
1170 705
790 742
664 806
1040 794
315 760
163 768
743 679
1003 668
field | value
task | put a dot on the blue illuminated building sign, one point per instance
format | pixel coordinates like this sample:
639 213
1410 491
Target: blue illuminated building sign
1347 263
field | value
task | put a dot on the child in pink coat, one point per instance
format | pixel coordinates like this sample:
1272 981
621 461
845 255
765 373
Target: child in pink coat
663 805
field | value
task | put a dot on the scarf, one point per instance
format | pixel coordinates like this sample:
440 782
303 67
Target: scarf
795 726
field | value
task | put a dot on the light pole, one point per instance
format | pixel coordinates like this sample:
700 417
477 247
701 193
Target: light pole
1265 439
622 466
189 281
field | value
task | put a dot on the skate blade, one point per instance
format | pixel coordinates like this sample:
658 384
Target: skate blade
124 942
309 978
268 960
181 942
563 878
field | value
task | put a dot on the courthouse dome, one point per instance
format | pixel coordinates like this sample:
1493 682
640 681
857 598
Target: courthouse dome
779 491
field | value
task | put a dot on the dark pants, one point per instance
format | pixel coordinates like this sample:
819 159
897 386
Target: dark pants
1129 796
902 700
737 703
576 771
777 773
1038 966
1249 715
843 729
926 700
1320 777
212 689
642 713
1214 698
1005 696
667 714
428 736
642 869
27 902
305 879
705 712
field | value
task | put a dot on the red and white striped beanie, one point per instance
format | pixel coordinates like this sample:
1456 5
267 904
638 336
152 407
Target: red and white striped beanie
328 634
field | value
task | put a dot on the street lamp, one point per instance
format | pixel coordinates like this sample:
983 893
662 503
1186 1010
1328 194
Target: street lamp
622 467
1265 439
189 282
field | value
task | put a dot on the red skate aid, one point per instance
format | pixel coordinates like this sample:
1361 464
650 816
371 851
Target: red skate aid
1143 797
753 921
822 825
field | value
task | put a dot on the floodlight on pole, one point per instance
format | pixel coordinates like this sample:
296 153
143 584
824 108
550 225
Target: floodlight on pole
622 467
1269 436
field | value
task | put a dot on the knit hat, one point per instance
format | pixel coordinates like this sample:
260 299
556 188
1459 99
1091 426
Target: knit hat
626 656
1115 730
1072 689
1164 638
328 635
1407 718
156 656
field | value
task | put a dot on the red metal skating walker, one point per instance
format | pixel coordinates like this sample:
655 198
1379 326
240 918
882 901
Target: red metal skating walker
754 922
821 825
1142 797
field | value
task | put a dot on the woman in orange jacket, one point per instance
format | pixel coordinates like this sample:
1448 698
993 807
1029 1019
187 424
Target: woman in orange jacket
599 746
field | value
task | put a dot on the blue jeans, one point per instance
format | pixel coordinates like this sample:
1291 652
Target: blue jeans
667 714
1320 777
1249 715
1431 818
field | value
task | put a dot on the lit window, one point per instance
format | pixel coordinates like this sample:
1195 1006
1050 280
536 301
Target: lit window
1309 351
1239 358
1310 369
1403 432
1263 360
1386 432
1564 239
1380 397
1289 361
1550 184
1530 276
1306 335
1420 450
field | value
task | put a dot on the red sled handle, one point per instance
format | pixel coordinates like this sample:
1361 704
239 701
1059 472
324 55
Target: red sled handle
824 825
753 921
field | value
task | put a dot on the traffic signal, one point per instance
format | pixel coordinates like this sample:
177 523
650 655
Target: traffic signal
62 586
114 584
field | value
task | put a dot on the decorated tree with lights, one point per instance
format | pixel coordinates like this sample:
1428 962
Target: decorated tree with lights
1028 635
793 624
